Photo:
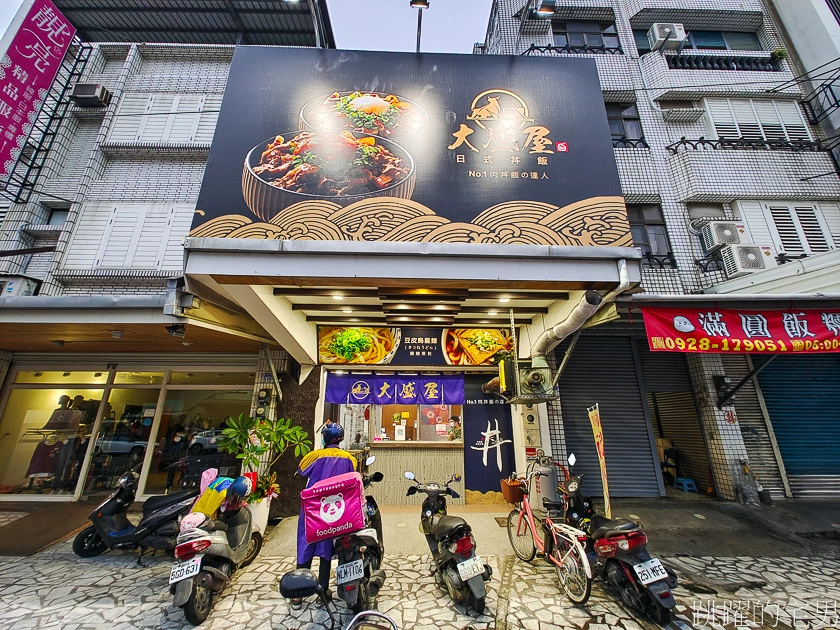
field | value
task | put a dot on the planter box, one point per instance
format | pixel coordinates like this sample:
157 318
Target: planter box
259 514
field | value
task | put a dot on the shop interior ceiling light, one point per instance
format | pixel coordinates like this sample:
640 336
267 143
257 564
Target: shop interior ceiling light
337 297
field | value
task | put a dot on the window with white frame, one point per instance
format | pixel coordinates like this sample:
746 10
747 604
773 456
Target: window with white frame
755 119
798 228
166 118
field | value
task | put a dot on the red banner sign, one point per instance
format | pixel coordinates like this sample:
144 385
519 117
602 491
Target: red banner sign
27 71
717 330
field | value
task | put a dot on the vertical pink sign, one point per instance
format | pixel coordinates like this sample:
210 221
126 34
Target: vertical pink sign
27 71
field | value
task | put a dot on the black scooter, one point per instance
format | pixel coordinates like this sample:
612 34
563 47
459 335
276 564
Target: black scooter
358 577
618 554
452 545
111 529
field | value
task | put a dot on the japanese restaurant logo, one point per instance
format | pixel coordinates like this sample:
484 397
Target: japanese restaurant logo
360 390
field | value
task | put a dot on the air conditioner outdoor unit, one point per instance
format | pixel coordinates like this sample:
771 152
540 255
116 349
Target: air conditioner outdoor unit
90 95
716 234
667 35
13 286
740 260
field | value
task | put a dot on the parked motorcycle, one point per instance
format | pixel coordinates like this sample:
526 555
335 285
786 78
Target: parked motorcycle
302 583
111 529
618 553
452 544
210 554
358 577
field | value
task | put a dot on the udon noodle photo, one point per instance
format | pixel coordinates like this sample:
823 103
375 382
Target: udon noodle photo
363 345
474 346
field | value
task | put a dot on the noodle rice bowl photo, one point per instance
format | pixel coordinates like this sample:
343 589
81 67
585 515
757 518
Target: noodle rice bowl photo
375 113
366 345
342 168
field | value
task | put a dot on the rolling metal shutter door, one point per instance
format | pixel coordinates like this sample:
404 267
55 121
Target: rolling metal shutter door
802 395
753 426
671 402
601 370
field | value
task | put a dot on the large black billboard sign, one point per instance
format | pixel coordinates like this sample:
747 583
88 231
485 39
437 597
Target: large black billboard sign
370 146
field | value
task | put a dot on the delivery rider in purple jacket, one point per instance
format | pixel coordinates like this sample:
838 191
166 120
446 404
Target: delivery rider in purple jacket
317 466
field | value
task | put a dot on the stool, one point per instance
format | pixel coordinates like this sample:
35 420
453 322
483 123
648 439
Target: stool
685 484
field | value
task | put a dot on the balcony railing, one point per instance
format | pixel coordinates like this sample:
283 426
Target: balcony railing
722 62
662 262
574 50
702 144
629 143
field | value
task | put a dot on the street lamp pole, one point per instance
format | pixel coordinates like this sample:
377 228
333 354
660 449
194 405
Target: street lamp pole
419 5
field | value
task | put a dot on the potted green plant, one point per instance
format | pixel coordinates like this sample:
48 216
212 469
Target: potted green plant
260 443
778 55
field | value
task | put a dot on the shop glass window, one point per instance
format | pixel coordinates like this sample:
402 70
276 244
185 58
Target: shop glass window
212 378
722 40
585 35
122 439
624 122
187 440
647 226
67 377
138 378
47 434
402 423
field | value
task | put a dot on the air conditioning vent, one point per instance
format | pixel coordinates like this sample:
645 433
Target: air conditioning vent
667 35
90 95
715 234
13 286
740 260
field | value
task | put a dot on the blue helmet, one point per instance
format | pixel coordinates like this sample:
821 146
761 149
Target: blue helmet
240 488
333 433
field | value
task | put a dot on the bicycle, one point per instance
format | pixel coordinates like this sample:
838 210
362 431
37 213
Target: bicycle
562 545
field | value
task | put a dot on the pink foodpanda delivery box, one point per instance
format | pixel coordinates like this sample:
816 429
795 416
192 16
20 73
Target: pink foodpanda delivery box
333 507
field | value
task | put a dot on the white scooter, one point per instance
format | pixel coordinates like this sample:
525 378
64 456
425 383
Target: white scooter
210 554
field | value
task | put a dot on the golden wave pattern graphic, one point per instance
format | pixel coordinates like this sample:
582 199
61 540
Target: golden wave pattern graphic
594 221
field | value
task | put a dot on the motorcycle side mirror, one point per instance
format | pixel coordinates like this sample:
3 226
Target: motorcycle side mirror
409 475
377 477
370 460
299 583
572 459
456 478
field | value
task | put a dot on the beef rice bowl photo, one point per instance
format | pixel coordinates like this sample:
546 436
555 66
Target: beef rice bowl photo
376 113
339 167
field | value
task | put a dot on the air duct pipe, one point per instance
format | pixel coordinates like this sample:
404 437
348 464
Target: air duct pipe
589 304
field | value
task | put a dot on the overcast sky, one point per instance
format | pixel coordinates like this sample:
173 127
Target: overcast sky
448 25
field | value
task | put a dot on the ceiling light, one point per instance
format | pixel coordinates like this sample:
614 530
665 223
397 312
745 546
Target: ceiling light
484 321
504 300
492 312
116 334
440 307
347 309
186 343
402 306
339 371
337 296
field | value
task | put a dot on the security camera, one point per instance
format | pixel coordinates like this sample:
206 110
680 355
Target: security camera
177 330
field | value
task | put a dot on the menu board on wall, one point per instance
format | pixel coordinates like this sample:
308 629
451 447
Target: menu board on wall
412 346
337 145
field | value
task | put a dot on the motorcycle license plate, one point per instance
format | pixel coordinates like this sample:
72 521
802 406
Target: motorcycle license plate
185 570
650 571
470 568
348 572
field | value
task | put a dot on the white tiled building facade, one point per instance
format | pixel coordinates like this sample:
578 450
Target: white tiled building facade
118 193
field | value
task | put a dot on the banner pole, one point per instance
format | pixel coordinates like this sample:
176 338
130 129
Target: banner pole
598 434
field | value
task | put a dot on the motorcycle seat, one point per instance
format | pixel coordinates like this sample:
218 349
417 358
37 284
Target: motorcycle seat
448 524
548 504
159 502
601 526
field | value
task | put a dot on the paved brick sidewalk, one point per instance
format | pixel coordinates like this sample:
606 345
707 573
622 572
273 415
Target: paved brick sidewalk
55 589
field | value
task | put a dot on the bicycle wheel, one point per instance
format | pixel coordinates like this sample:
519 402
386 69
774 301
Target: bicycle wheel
521 536
572 564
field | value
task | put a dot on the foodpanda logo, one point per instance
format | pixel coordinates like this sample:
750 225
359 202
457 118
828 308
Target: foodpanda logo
360 390
332 508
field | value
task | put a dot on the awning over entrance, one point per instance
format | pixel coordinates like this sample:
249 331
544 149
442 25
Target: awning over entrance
292 287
